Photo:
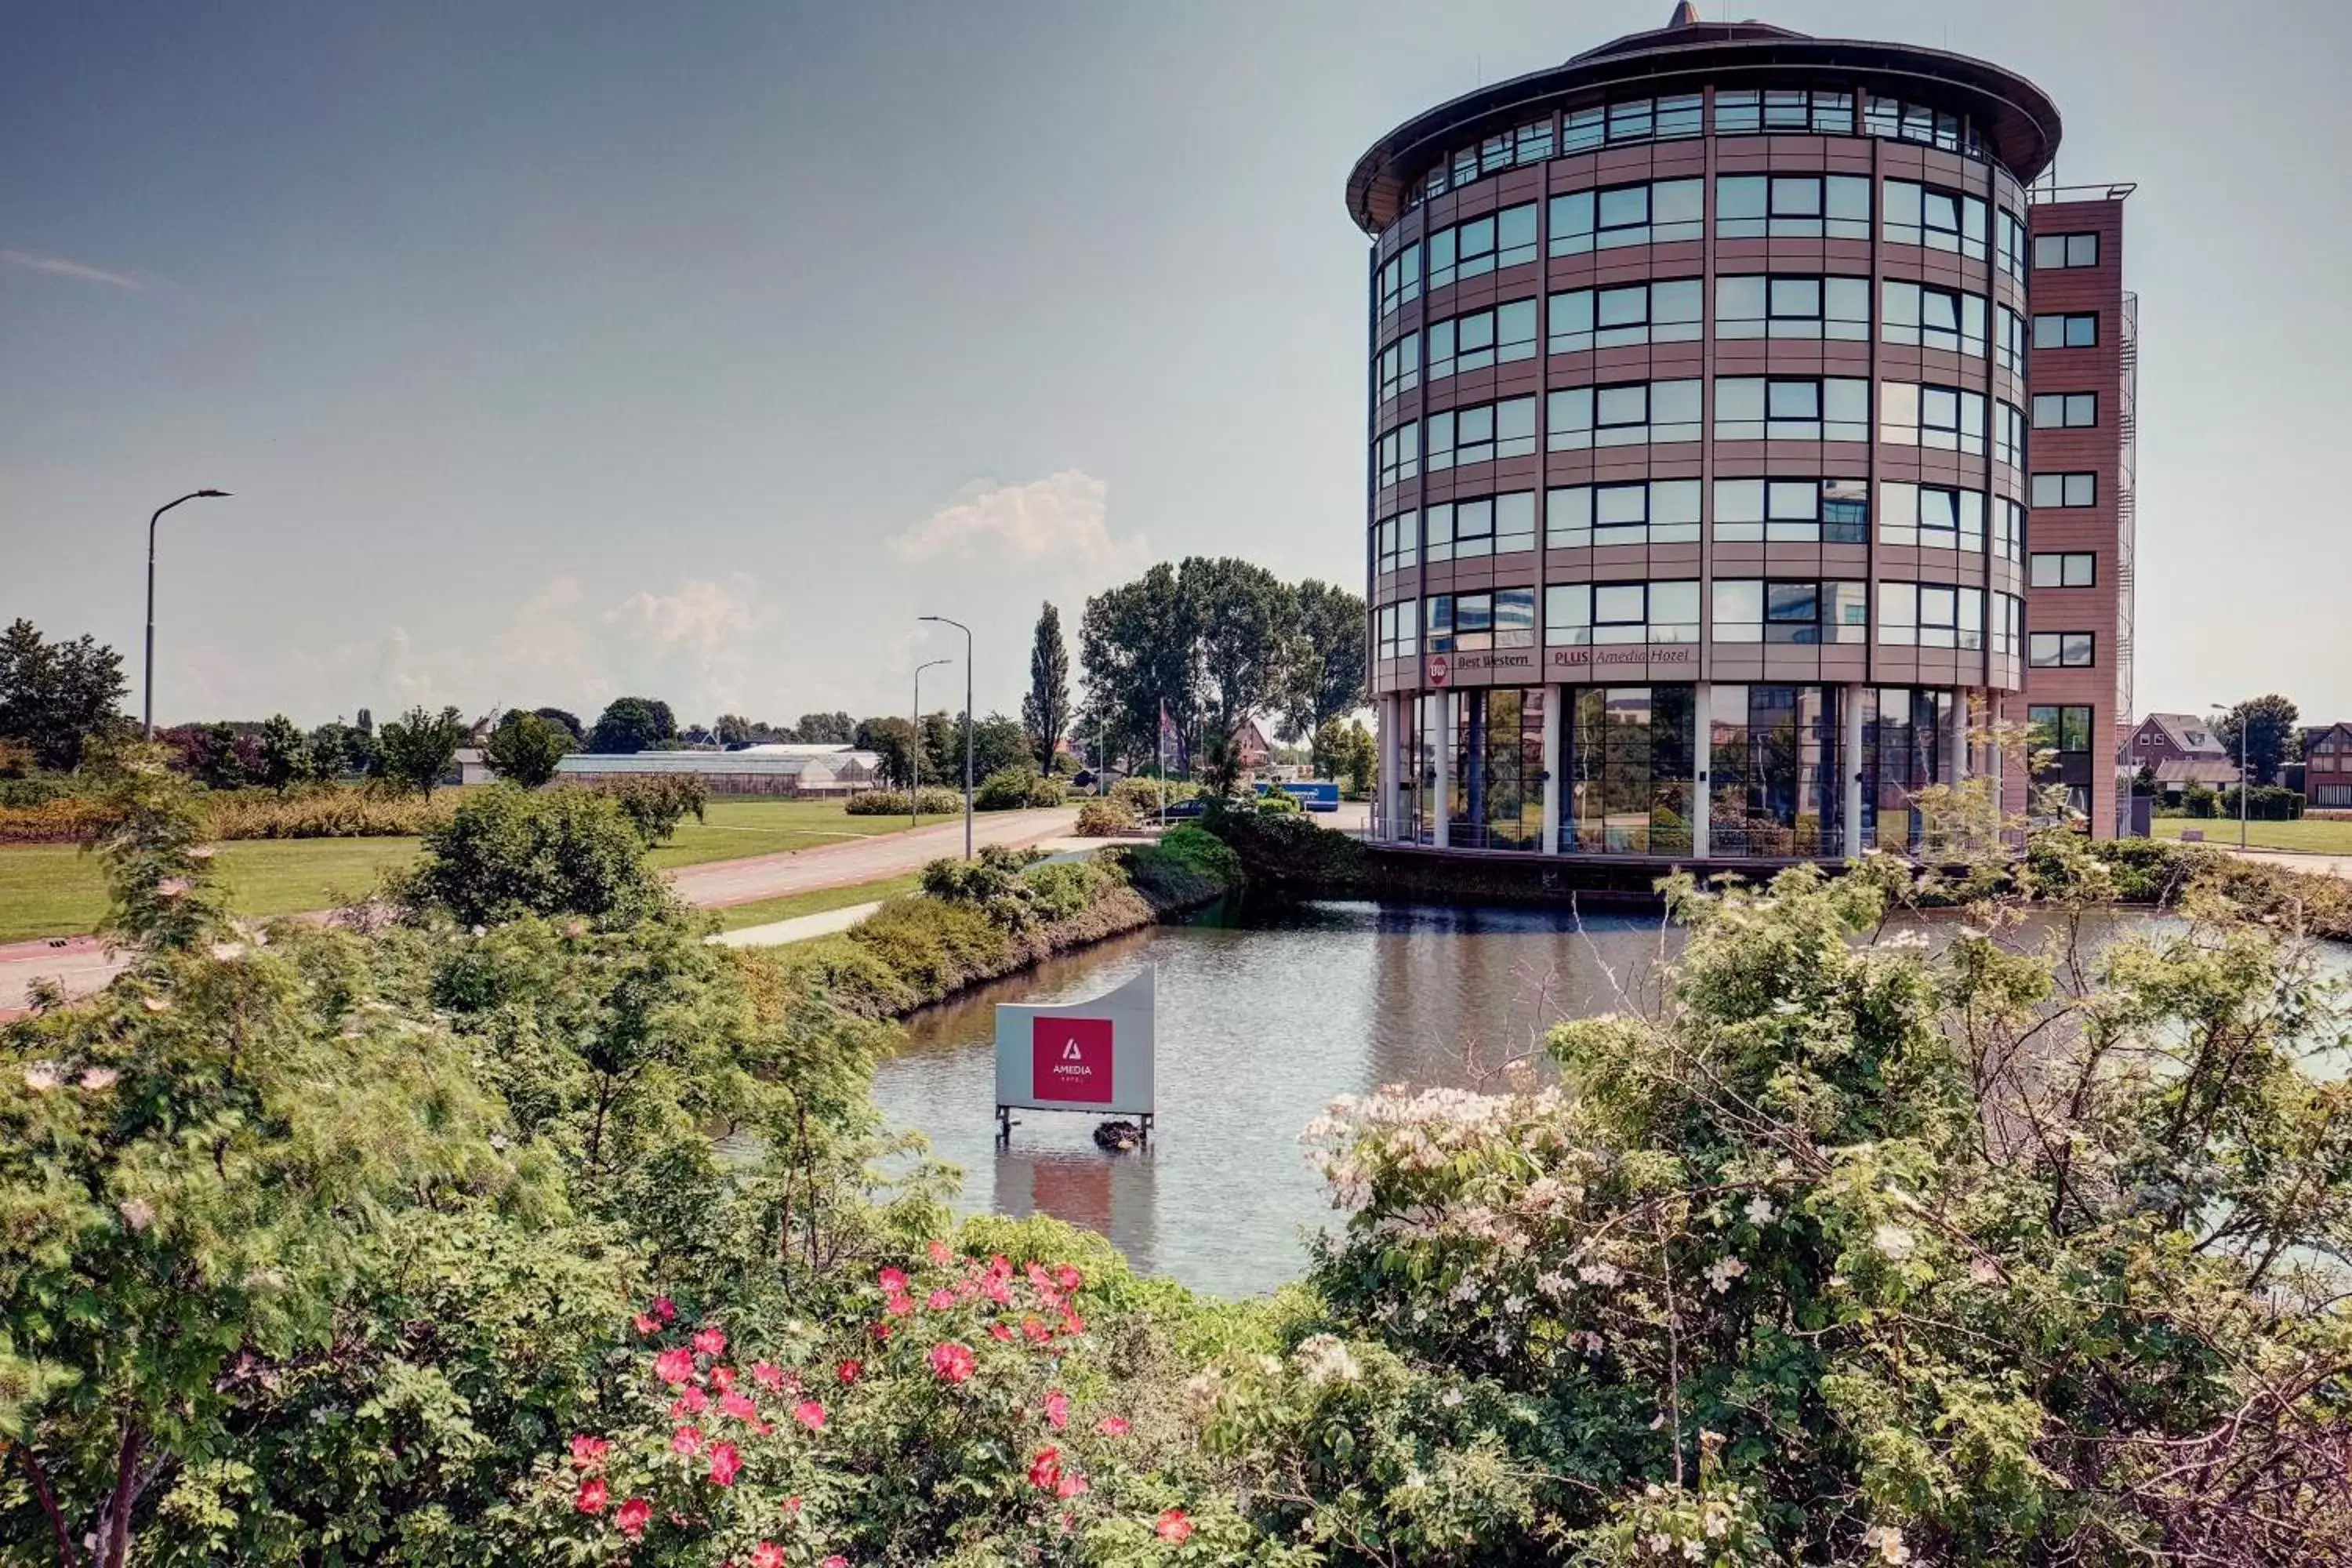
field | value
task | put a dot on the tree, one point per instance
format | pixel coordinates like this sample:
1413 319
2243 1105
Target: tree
834 729
2267 723
734 730
1249 627
336 750
506 854
56 696
893 741
566 717
631 725
285 757
525 748
1343 748
1046 710
217 755
418 749
193 1163
1327 679
1000 743
1137 645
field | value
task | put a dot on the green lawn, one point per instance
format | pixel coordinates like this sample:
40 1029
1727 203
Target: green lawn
54 889
793 905
2319 837
734 829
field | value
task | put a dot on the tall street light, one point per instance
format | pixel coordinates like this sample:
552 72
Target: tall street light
2242 728
970 723
147 697
915 748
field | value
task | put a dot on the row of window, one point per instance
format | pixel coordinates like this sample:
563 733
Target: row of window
1747 408
1746 305
1742 610
1746 207
1667 512
1680 116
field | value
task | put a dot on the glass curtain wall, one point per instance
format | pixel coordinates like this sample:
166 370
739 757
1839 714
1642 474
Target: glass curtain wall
1773 770
1629 764
1905 748
1498 795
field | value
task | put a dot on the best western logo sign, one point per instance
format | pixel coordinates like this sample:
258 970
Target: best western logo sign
1070 1058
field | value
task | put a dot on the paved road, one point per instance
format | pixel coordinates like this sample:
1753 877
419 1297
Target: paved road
81 963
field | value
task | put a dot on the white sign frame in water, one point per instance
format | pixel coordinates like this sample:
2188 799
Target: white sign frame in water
1098 1053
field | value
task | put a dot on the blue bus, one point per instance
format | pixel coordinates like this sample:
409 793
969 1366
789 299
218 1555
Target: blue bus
1312 795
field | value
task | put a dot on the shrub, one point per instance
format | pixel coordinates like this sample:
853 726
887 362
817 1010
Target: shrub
2264 802
69 819
2199 800
1142 795
1101 818
327 812
1286 850
1010 789
893 801
38 789
506 853
1184 866
1277 802
654 803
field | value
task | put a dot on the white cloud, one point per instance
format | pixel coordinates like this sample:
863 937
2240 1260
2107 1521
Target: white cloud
59 265
695 643
1061 519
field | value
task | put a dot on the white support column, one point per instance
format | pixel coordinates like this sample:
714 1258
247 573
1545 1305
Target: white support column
1850 760
1702 752
1553 721
1393 709
1442 745
1959 738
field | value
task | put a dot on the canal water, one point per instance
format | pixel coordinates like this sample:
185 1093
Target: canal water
1263 1017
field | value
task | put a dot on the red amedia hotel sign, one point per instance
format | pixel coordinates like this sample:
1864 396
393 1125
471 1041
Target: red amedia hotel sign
1070 1059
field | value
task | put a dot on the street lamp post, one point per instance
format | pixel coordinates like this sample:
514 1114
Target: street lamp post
2242 727
147 693
915 748
970 723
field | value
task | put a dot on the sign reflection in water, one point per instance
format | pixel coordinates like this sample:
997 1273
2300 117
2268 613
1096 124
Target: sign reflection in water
1259 1027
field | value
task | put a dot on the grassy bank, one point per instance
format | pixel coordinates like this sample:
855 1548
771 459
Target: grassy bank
982 920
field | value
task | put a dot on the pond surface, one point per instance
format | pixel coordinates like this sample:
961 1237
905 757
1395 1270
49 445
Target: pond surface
1262 1018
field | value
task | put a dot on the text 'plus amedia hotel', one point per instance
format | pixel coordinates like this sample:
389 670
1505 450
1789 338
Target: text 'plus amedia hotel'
1750 433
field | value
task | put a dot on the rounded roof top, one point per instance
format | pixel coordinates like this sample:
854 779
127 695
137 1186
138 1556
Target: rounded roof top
2018 120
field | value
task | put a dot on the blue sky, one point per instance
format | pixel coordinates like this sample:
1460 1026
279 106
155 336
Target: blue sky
557 351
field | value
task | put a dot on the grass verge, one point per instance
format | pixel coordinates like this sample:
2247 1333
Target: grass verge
792 906
2318 838
55 890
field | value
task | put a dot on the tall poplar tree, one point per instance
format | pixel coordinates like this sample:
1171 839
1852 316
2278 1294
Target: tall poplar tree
1045 711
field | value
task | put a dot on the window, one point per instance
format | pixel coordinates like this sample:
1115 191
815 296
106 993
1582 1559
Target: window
1635 120
2008 528
1945 417
1481 433
1577 615
1933 318
2008 624
1664 312
1490 525
1781 306
2069 570
2007 433
2065 489
1936 516
1789 109
2008 338
2061 650
1918 122
2065 251
1792 408
1534 143
1401 278
1656 511
1482 339
1399 630
1400 454
1477 247
1804 511
1935 217
1632 413
1792 206
1399 541
2075 329
1469 623
1627 214
2065 410
1401 366
2008 243
1754 610
1930 615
